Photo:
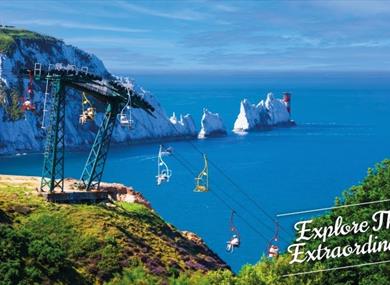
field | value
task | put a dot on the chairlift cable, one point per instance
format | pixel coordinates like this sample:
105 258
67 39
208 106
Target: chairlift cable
229 196
225 203
229 179
187 165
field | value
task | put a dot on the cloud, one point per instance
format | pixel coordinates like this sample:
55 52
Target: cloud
331 58
360 8
123 59
224 7
182 14
132 42
76 25
238 38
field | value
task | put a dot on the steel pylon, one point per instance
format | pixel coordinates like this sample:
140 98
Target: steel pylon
110 92
53 165
93 170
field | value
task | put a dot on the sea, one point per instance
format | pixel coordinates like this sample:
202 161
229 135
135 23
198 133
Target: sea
342 129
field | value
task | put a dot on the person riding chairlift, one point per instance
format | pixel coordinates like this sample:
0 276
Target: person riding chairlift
27 104
273 251
163 171
234 242
162 177
87 115
168 151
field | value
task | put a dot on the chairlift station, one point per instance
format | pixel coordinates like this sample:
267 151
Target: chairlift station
114 94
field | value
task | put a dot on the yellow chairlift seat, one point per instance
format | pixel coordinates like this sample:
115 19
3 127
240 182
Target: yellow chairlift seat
200 188
202 181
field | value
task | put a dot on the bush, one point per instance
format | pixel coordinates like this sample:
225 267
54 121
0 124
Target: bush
12 249
135 276
14 110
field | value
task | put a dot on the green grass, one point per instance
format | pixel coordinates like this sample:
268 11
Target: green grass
45 243
6 42
96 242
8 37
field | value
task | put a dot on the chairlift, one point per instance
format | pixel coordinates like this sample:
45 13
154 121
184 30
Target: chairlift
202 180
167 151
273 248
58 66
88 111
125 120
71 69
37 70
84 69
234 241
28 104
163 171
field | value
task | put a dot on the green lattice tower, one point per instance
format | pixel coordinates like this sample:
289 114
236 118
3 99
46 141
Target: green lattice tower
93 170
53 165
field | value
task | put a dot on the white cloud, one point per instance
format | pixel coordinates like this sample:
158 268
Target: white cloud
183 14
372 7
75 25
122 41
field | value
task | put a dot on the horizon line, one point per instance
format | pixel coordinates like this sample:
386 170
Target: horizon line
238 71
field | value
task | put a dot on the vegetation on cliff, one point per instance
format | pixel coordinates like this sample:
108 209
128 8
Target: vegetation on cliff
9 36
42 242
375 187
130 244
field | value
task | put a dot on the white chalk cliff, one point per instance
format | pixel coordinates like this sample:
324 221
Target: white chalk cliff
23 132
267 113
211 125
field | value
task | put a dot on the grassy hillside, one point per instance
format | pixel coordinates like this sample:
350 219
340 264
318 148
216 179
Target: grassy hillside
129 244
85 244
9 36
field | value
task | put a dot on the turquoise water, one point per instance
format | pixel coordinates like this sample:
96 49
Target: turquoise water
343 128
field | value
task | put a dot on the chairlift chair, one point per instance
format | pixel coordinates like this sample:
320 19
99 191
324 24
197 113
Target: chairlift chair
88 113
84 70
124 120
234 241
273 249
163 171
28 104
167 151
202 180
37 70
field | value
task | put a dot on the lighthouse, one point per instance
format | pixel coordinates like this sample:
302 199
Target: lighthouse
287 101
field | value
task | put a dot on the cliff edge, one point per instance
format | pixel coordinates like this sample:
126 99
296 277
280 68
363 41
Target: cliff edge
89 244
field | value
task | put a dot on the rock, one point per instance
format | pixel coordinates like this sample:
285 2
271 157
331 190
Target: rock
184 126
122 193
193 237
265 115
211 125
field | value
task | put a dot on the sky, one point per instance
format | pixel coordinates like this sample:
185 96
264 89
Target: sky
163 36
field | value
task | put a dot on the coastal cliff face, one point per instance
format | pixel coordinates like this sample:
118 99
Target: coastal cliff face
22 132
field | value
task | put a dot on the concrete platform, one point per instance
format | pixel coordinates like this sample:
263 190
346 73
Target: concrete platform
75 196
